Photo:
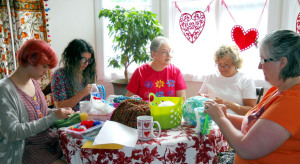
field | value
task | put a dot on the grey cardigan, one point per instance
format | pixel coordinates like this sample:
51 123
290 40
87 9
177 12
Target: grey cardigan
14 124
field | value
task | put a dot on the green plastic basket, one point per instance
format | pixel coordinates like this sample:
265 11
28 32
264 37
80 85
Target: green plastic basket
168 117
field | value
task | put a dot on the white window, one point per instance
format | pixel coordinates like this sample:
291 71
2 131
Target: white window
104 45
194 60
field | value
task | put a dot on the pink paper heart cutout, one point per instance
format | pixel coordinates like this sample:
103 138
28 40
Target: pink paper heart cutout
192 25
244 40
298 24
147 124
147 133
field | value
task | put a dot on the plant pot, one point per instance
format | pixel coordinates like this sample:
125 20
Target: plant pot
120 86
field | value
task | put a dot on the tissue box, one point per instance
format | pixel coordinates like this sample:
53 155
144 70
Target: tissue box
77 134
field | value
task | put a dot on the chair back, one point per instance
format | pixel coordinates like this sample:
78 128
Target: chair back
259 93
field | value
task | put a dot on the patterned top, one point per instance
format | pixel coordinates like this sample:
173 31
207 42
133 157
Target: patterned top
43 147
15 126
60 88
164 83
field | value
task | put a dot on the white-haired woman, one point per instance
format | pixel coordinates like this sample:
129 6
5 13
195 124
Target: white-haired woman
158 76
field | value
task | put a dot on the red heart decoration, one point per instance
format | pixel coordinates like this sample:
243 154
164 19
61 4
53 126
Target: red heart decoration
243 39
147 124
192 25
139 124
298 24
147 133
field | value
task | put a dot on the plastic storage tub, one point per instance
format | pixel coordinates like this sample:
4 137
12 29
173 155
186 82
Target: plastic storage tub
77 134
169 116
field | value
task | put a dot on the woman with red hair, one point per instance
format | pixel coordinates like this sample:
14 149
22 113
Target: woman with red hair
25 136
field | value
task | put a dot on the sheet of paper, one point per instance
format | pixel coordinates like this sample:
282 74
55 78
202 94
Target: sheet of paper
116 133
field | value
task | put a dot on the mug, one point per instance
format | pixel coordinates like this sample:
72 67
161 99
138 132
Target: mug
145 128
84 106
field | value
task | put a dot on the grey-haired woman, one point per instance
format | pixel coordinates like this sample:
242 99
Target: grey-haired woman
158 76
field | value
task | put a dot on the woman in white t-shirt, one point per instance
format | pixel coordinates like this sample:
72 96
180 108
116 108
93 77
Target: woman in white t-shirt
228 86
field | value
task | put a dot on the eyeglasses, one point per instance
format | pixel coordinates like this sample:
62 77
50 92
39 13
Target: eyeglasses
263 61
166 53
85 60
225 67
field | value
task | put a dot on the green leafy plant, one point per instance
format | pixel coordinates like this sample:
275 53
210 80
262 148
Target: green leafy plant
132 31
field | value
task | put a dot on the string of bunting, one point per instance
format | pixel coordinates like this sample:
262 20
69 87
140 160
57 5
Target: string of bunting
192 25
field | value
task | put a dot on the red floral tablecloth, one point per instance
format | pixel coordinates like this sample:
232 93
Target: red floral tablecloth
177 145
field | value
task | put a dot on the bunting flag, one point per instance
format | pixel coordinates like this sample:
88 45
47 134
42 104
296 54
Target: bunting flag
244 40
192 25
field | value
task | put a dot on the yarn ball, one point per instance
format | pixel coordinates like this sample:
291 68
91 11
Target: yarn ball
87 124
84 116
96 122
188 108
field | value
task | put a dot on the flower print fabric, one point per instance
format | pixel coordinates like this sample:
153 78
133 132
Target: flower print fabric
164 83
60 88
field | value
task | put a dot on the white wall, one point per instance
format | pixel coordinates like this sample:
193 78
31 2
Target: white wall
68 20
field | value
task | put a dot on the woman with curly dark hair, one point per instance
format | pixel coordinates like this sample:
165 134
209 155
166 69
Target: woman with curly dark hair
72 83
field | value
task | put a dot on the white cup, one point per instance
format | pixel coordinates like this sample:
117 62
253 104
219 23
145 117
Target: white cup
145 128
84 106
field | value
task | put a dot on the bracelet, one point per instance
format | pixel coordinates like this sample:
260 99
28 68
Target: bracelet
239 107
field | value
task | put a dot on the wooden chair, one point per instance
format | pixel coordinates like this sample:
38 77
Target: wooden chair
259 93
46 91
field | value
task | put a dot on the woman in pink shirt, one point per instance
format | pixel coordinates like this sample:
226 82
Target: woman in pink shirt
158 76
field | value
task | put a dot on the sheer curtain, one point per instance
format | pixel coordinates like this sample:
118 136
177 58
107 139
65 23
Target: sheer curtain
196 60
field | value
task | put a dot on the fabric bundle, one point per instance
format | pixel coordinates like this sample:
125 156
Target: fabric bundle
128 110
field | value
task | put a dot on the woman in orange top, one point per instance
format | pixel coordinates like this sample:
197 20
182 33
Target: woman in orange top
270 132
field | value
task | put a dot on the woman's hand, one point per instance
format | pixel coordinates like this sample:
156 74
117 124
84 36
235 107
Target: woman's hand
63 113
219 101
215 110
86 90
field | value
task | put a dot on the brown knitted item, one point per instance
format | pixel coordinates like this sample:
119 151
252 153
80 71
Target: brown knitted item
128 110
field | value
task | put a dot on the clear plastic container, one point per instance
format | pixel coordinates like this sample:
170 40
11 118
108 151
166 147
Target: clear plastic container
77 134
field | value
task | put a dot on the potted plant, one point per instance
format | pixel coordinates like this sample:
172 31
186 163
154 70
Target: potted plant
132 31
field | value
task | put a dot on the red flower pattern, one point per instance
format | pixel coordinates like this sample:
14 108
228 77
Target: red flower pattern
177 145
